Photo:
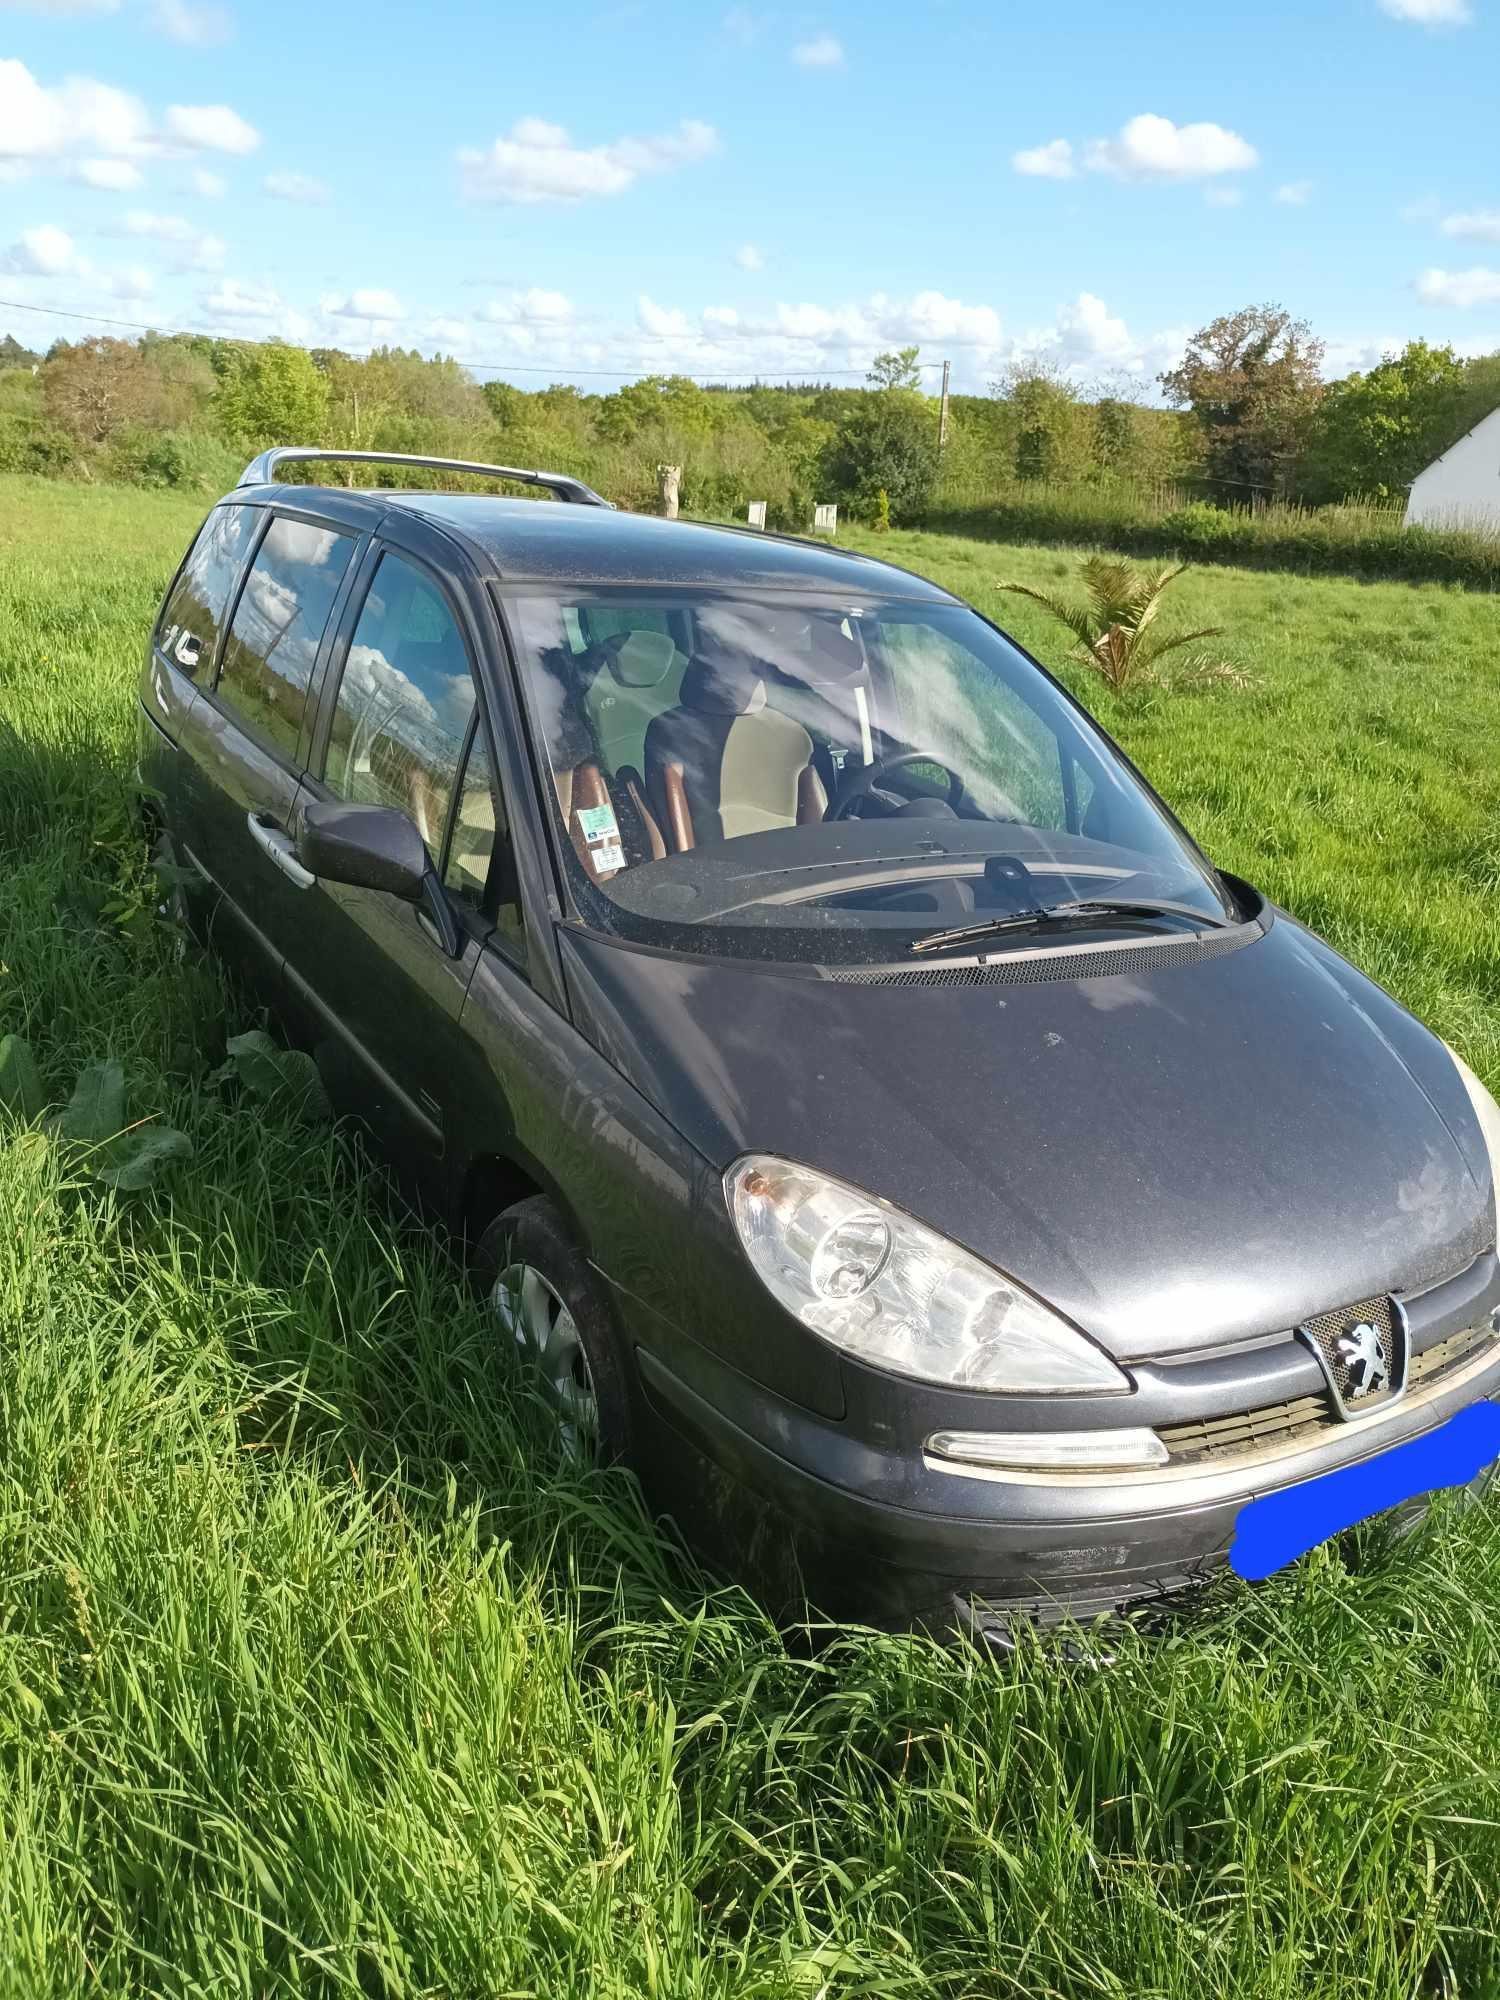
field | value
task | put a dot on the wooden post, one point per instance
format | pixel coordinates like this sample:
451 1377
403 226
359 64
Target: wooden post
671 484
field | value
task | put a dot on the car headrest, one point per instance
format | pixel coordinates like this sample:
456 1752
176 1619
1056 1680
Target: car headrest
832 654
722 687
640 659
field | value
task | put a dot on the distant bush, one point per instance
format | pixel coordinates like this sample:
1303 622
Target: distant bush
183 459
27 446
1354 540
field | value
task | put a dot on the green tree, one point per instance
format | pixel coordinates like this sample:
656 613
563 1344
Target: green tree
270 394
1376 431
896 371
655 405
95 390
505 403
1252 379
887 441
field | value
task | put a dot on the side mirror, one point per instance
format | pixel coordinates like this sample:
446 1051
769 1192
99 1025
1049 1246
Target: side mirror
365 847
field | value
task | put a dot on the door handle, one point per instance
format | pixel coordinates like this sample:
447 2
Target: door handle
277 847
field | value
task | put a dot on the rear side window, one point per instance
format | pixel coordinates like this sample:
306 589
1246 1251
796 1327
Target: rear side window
404 703
278 627
190 621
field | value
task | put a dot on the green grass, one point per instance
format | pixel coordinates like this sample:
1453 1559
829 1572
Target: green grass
319 1673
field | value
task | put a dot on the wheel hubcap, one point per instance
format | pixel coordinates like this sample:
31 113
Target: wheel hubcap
539 1322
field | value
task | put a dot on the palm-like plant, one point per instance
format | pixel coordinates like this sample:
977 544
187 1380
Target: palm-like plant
1115 629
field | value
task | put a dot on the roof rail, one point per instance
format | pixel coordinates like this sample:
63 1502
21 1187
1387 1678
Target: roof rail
262 471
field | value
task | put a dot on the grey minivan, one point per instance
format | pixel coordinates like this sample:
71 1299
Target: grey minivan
885 1127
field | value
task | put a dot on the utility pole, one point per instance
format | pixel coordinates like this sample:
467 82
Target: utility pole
943 411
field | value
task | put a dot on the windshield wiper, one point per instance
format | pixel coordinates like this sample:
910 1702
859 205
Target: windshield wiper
1067 913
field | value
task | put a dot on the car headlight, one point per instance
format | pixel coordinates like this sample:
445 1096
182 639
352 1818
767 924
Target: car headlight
891 1292
1486 1110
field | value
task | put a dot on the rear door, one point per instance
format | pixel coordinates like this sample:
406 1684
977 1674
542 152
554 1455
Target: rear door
246 735
403 726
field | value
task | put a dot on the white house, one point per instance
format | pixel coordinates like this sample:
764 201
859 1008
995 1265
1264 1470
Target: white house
1462 488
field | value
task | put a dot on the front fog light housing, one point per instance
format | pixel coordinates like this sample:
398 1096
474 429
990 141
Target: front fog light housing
1051 1451
886 1290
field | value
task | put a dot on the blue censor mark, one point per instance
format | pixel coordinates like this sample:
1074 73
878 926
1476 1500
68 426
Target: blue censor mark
1279 1527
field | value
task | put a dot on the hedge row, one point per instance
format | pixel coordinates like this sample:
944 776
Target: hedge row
1361 541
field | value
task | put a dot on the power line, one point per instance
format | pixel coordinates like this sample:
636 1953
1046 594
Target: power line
499 367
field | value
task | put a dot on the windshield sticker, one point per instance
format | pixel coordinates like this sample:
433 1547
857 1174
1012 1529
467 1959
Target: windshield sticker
598 823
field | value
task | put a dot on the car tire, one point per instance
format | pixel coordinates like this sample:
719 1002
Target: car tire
537 1282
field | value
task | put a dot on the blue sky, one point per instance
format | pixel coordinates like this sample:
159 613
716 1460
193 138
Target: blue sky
748 190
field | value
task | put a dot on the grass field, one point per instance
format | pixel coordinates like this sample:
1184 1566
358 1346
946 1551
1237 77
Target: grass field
319 1674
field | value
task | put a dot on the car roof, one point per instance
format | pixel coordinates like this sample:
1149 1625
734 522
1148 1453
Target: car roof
562 542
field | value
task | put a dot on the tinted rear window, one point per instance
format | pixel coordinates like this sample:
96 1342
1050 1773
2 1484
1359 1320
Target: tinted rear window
190 620
278 626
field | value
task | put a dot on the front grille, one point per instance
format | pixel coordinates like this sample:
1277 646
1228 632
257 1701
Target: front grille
1248 1433
1327 1329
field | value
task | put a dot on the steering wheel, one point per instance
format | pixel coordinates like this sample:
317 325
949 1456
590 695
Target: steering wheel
866 782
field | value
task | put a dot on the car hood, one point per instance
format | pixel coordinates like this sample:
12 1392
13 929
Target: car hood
1175 1156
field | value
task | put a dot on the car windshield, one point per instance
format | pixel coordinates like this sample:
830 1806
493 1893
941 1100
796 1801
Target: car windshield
828 781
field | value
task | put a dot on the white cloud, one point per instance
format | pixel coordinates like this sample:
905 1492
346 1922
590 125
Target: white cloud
538 162
48 252
1294 194
535 307
195 27
663 323
165 228
749 258
1052 162
448 333
1481 225
197 250
110 176
212 187
370 303
822 52
804 338
234 299
98 128
1146 148
61 9
44 252
37 123
1430 13
1223 197
210 128
134 282
296 187
1478 286
1149 147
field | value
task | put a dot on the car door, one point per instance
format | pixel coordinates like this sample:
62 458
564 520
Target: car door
245 736
403 726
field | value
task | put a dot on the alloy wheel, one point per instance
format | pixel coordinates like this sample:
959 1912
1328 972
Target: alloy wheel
538 1319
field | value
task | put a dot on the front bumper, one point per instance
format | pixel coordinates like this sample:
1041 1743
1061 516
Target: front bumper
882 1531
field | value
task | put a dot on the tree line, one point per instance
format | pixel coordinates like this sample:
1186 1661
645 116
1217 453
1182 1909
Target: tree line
1246 417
